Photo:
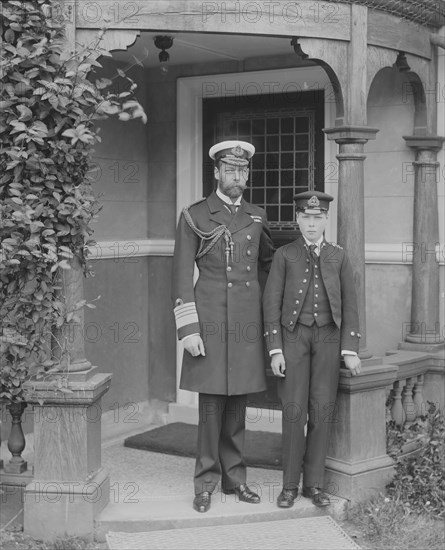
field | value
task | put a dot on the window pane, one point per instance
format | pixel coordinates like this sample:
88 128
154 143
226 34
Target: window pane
244 127
287 160
272 161
272 178
257 178
302 142
287 143
301 125
287 125
301 160
287 213
272 125
258 126
258 142
272 213
287 194
273 143
257 196
272 196
258 161
301 178
287 177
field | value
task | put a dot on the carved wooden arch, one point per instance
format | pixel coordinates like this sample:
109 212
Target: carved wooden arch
112 40
416 77
331 55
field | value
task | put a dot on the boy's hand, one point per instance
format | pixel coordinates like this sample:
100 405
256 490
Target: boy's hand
278 364
353 363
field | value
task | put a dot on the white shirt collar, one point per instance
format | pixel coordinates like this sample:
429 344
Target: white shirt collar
318 243
226 199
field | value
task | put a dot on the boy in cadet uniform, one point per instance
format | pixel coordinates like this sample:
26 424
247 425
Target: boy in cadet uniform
219 320
311 320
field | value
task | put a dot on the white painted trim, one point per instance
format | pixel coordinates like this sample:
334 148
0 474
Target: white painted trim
396 253
375 253
129 249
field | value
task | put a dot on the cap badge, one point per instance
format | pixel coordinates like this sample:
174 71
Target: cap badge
313 202
238 151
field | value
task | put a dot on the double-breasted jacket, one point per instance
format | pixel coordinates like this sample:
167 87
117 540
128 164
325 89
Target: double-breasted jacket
288 284
224 305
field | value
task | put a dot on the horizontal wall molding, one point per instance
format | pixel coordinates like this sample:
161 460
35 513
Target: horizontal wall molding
126 250
375 253
400 253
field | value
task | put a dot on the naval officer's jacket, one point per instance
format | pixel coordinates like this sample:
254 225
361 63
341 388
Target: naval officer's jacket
288 284
225 304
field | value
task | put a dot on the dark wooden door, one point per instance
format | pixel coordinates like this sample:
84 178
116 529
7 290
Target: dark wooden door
286 130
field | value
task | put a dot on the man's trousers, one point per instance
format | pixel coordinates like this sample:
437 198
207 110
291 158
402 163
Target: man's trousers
221 433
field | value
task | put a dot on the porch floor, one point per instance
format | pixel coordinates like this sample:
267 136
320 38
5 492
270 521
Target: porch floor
152 492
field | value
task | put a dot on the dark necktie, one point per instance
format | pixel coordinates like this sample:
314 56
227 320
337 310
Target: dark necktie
232 208
312 249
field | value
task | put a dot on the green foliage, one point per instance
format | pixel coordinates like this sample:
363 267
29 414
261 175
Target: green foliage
49 108
419 481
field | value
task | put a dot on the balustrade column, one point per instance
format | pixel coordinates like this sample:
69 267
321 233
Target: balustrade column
425 327
351 208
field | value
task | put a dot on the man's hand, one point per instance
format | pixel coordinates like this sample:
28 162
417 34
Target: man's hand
353 363
194 345
278 364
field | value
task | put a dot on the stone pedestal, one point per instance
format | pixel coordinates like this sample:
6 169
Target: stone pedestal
70 486
357 465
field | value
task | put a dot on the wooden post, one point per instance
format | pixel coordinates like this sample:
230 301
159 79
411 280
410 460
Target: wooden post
425 328
351 209
357 465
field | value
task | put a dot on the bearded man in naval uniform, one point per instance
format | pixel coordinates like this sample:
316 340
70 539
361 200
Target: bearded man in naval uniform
219 320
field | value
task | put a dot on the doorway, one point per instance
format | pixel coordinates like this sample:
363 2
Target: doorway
286 130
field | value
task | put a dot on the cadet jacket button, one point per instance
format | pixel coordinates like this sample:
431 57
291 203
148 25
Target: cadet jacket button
359 335
306 270
248 268
316 295
291 322
315 314
352 333
307 260
274 331
316 276
316 286
304 280
294 313
229 285
300 291
266 334
248 253
297 302
228 268
249 237
315 305
316 266
247 283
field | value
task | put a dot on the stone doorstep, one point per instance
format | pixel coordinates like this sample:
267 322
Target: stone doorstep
164 513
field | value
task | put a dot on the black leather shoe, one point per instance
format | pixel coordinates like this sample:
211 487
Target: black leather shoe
201 502
244 494
286 498
319 498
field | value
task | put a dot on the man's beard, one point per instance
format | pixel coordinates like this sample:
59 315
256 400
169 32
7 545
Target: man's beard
233 191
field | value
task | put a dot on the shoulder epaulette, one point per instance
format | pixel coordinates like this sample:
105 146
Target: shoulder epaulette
336 245
196 202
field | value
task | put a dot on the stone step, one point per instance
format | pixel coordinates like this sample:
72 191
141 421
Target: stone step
170 512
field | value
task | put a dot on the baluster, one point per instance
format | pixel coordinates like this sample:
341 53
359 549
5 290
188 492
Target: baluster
418 394
407 401
16 440
397 412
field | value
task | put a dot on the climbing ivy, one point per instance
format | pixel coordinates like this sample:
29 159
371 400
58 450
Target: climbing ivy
50 105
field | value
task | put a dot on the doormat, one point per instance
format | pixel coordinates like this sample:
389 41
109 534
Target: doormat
262 449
